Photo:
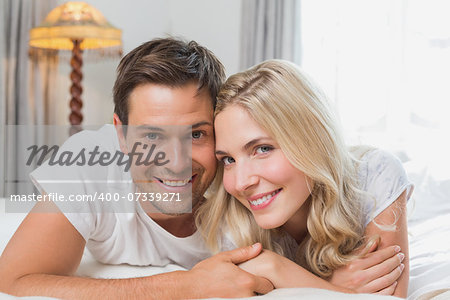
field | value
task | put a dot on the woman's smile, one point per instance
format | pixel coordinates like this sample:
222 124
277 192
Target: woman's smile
261 201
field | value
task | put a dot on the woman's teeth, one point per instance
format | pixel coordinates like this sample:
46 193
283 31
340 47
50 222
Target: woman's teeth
263 199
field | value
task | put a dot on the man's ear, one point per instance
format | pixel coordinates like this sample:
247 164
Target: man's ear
120 134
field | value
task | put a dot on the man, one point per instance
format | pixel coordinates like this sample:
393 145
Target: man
160 84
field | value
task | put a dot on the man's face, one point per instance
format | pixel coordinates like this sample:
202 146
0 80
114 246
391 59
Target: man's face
176 120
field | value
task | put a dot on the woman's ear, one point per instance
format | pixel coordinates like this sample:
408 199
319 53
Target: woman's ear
120 133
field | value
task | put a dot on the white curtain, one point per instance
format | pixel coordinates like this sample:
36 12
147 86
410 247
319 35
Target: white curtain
25 84
2 98
268 31
386 66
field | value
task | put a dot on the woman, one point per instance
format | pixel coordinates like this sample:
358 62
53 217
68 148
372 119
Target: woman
290 183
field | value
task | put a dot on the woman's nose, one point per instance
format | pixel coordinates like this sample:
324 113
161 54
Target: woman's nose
245 177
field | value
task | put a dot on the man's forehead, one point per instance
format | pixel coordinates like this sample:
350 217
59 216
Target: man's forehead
165 105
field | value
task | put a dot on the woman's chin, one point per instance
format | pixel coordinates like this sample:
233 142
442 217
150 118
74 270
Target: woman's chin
269 224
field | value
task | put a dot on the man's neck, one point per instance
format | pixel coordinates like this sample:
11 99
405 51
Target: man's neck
179 226
182 225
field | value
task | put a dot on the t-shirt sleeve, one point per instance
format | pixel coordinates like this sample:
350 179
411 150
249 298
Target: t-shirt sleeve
385 180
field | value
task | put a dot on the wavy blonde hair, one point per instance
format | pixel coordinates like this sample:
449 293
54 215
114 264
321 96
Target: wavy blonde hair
293 111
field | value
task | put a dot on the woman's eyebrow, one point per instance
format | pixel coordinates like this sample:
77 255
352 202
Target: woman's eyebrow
253 142
220 152
248 145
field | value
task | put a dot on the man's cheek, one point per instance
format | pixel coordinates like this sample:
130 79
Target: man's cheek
205 157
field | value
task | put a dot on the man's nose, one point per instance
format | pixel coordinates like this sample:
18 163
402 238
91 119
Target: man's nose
179 154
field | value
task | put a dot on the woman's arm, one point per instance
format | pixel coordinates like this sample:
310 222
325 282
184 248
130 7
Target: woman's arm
284 273
379 271
396 212
383 267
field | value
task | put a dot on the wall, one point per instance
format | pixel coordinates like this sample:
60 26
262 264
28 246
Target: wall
214 24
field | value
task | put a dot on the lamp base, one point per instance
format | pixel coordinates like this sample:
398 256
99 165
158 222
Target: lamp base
76 89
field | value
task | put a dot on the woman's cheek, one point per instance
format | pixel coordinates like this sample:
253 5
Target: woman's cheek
228 183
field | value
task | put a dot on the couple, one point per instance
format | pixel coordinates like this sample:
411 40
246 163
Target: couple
285 182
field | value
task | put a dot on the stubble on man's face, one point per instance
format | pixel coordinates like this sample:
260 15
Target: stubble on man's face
166 108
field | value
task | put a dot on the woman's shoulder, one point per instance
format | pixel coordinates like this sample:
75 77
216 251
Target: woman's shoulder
382 177
375 163
382 164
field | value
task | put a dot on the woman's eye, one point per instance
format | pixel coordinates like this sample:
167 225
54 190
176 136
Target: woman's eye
263 149
197 134
152 136
227 160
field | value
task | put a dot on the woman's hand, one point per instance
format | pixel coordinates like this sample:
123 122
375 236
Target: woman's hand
376 272
284 273
265 265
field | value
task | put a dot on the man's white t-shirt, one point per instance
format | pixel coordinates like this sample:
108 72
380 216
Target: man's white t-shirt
115 232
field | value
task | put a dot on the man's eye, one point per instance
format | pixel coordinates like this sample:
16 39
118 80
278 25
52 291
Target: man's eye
227 160
152 136
197 134
263 149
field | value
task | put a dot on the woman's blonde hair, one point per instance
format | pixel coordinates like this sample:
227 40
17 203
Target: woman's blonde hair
280 98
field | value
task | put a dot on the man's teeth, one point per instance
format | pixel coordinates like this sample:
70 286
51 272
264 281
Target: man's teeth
263 199
176 182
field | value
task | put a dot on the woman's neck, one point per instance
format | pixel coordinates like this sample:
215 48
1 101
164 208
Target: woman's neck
296 225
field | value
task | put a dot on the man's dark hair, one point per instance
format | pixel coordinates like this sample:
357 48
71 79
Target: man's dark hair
166 61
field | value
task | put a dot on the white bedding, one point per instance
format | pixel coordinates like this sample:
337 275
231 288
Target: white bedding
429 227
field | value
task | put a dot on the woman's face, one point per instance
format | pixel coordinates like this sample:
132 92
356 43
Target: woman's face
256 172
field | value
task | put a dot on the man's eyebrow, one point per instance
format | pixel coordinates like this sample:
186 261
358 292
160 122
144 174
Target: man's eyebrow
196 125
152 128
159 129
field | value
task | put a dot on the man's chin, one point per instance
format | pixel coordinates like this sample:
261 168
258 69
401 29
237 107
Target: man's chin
179 211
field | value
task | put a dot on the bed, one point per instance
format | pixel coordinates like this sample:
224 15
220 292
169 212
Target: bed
429 229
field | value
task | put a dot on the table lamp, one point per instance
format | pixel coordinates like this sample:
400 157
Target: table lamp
77 26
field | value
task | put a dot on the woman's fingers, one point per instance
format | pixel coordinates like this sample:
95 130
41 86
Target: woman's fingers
378 257
384 269
375 272
385 281
387 265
